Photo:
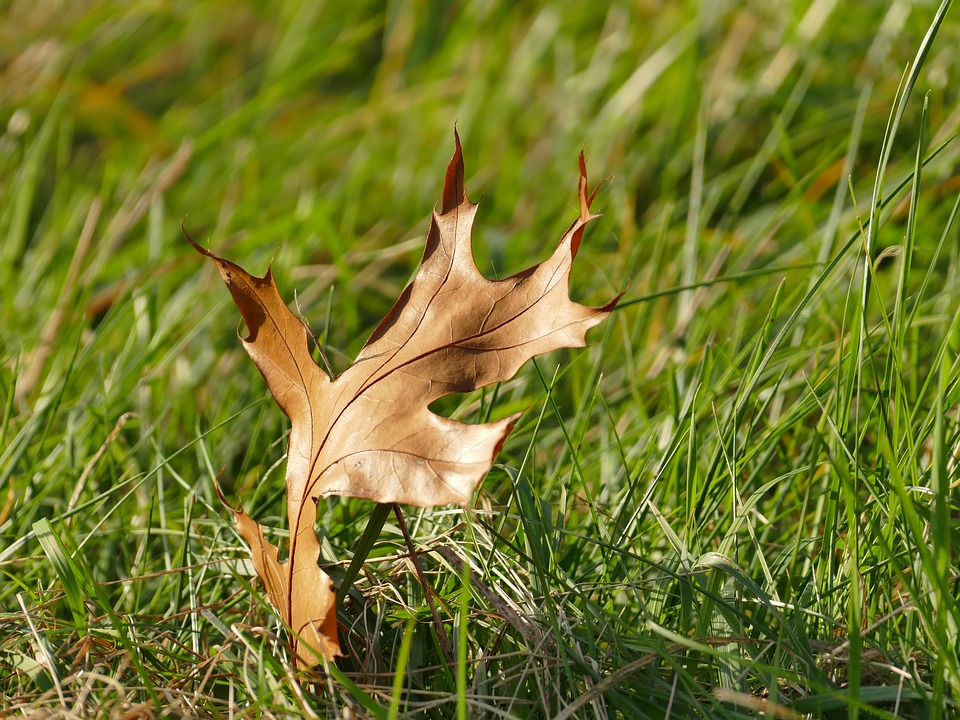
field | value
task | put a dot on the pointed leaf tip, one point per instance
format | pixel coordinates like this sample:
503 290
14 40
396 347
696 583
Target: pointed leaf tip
202 251
223 500
454 194
586 200
584 189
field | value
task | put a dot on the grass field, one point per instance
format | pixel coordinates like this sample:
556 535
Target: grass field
740 499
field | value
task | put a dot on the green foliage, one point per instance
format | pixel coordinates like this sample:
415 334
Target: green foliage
744 493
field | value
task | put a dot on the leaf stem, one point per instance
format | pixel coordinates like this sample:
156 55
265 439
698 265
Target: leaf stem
445 645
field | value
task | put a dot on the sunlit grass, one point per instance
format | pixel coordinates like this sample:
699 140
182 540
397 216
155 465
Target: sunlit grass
740 499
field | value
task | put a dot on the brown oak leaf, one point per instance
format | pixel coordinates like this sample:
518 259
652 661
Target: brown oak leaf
369 433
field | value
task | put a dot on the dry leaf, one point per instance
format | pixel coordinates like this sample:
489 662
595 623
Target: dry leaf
369 433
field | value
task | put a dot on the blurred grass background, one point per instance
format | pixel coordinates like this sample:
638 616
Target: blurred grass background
726 548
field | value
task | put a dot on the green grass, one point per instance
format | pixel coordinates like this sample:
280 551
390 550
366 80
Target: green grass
743 492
